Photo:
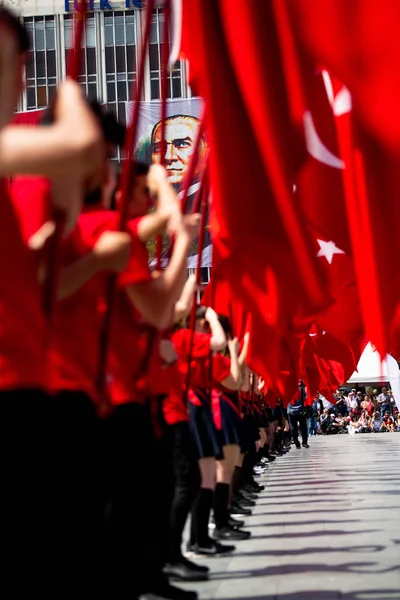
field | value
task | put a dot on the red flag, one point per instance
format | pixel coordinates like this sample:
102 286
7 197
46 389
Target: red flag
218 294
358 42
316 103
267 255
360 48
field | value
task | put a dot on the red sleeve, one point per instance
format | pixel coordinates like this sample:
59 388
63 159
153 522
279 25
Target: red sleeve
31 198
201 344
179 340
137 270
221 368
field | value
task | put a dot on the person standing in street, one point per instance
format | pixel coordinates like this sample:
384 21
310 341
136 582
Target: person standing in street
296 416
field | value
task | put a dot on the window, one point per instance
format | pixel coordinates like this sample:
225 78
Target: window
120 58
175 79
88 77
41 69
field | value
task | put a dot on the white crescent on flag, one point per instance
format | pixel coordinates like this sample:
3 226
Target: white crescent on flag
316 147
341 103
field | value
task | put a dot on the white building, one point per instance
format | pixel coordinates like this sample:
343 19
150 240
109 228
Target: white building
112 44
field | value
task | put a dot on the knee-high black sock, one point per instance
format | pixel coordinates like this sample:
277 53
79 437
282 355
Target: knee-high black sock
247 468
200 516
221 501
236 481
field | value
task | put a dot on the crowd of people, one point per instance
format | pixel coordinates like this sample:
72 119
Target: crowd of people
355 412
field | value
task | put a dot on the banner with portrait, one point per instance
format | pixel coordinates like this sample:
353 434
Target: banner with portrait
182 123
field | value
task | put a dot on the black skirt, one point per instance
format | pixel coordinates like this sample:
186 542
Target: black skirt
202 428
230 432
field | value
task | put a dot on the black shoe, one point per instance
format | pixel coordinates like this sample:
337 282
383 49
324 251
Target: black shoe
212 549
194 566
306 446
257 487
270 458
237 510
235 522
298 446
248 495
169 592
231 534
250 489
276 453
183 572
243 501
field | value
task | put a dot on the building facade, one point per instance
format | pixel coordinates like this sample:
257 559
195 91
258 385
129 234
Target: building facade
111 49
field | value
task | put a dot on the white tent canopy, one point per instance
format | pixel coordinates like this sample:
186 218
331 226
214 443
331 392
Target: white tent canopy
371 369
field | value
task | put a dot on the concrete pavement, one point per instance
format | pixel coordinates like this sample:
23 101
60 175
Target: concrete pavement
327 527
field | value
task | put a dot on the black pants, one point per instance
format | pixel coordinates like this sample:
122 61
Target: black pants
138 503
29 500
186 484
294 420
81 491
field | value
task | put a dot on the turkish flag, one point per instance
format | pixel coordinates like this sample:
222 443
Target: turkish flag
267 254
358 42
329 348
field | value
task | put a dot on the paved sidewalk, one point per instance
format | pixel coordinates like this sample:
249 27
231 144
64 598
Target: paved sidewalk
327 527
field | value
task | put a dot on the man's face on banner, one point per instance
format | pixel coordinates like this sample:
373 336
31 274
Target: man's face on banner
180 135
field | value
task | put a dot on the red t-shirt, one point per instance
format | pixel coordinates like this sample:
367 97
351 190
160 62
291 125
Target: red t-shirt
174 406
79 318
200 364
131 339
77 321
32 202
22 321
221 369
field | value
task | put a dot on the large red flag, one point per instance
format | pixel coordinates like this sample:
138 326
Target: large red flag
218 294
358 42
266 253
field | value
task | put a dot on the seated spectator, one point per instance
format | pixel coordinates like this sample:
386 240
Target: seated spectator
324 421
387 422
353 402
367 405
337 424
397 419
376 422
353 426
365 423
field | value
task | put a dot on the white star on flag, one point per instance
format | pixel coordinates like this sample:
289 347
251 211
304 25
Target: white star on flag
328 250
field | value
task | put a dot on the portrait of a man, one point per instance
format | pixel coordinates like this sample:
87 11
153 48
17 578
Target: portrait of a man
178 147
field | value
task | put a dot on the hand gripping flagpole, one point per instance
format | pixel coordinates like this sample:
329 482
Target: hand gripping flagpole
127 175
